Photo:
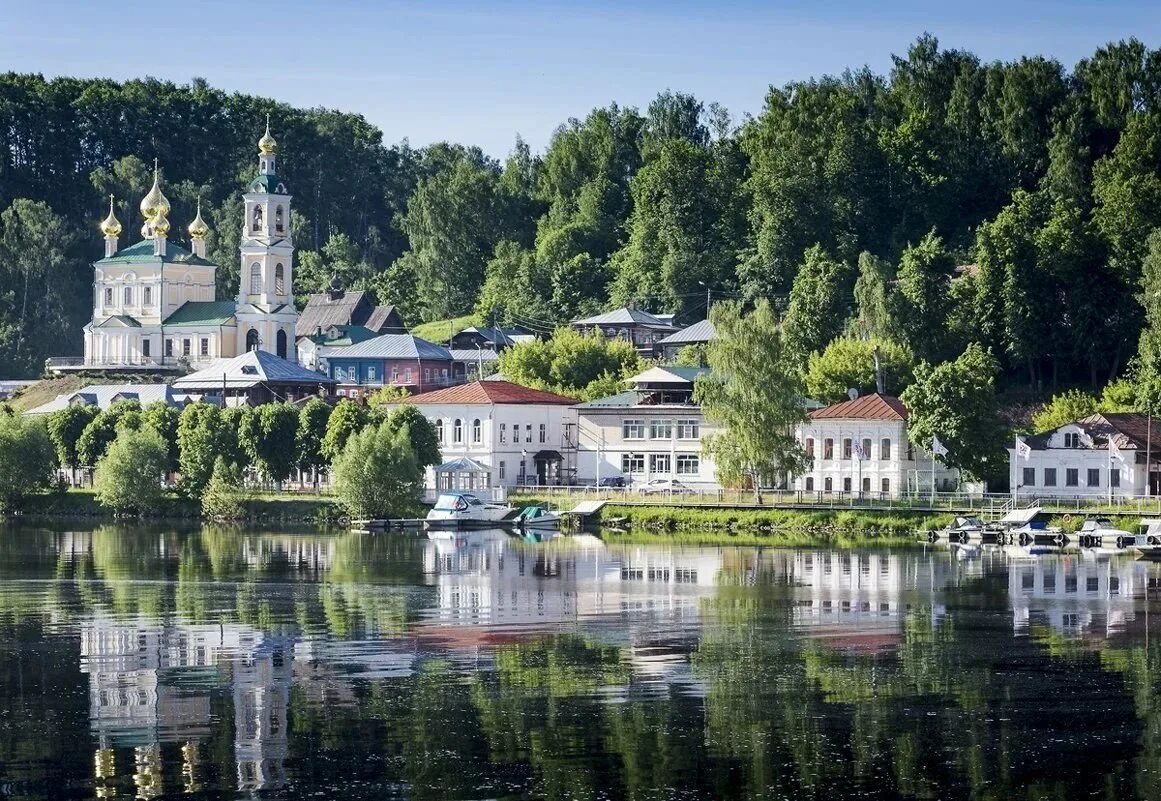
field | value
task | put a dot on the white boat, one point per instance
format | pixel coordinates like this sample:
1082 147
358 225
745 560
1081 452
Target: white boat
963 529
1099 532
1026 526
537 517
465 509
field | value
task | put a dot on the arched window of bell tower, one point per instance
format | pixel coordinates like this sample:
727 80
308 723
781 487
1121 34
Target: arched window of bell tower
255 279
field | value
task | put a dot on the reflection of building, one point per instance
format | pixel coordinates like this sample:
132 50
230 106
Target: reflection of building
1075 596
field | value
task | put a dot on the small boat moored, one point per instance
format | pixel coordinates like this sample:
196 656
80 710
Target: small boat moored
1099 532
466 510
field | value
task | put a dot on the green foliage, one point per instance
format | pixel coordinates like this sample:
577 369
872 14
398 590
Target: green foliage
224 497
347 418
377 474
873 296
128 476
1119 396
163 418
1147 363
268 436
819 304
1066 407
753 394
64 430
923 308
956 402
26 459
847 362
204 435
103 429
584 366
420 431
313 417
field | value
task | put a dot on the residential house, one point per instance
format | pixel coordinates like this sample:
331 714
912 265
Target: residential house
500 434
699 333
861 447
475 363
314 349
102 396
643 329
337 307
653 430
255 377
1075 459
496 339
398 360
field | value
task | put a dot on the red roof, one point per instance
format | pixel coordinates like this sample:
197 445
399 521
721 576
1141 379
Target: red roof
490 392
868 407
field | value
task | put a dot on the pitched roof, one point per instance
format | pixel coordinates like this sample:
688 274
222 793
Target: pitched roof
868 407
698 332
252 368
102 395
347 335
1130 430
488 392
118 321
626 316
143 252
397 346
669 375
380 319
497 336
474 354
323 311
202 312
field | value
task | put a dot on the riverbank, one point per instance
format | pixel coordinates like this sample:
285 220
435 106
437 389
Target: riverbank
259 509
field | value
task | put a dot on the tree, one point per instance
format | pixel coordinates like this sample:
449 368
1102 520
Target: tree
924 273
753 395
571 363
1066 407
268 436
103 429
347 418
377 474
1147 363
163 418
873 296
224 497
26 459
956 402
128 476
819 304
203 437
64 430
313 417
849 363
421 434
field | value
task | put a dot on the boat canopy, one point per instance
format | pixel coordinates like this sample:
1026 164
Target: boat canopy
1021 516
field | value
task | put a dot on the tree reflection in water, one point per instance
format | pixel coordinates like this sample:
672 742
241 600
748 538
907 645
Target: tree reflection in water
141 662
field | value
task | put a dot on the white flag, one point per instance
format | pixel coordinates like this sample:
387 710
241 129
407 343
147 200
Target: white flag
858 449
1023 449
1114 451
937 447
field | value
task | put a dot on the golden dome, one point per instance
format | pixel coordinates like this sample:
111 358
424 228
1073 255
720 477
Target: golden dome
198 228
160 225
267 146
111 226
154 203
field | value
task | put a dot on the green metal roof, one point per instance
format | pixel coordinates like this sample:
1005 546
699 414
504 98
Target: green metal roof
202 312
143 252
268 184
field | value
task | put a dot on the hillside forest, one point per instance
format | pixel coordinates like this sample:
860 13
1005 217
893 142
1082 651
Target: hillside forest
948 202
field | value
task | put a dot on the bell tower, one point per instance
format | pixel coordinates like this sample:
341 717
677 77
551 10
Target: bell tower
266 313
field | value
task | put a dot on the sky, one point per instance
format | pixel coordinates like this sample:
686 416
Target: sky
483 72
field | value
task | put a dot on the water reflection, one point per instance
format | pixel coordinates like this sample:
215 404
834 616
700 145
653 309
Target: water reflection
214 663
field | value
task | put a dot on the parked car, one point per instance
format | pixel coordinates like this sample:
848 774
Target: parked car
608 482
660 485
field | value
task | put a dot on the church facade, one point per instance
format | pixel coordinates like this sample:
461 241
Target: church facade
155 305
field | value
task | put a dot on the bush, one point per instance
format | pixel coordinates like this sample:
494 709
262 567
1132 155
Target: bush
223 497
377 474
128 476
26 460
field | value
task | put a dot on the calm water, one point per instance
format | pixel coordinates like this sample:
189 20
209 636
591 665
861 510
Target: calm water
140 663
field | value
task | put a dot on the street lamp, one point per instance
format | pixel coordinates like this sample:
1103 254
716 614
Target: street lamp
708 297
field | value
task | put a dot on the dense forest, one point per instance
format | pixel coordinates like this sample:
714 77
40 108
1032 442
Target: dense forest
948 202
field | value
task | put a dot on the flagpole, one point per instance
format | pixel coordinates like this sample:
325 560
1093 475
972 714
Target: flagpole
1015 487
933 471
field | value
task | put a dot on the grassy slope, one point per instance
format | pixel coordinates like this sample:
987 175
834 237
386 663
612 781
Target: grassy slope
437 330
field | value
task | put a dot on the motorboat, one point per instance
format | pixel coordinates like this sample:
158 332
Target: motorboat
1098 532
537 517
962 529
467 510
1148 545
1027 526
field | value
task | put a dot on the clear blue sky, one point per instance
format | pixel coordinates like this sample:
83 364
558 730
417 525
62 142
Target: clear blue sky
481 72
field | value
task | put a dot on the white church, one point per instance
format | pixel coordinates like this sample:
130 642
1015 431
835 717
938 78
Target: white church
155 304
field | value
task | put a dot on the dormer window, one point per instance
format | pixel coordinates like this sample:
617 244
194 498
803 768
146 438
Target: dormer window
1071 439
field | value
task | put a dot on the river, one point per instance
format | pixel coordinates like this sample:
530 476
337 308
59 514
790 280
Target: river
216 663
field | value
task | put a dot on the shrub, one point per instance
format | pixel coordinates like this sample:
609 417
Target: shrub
128 476
377 474
26 460
224 497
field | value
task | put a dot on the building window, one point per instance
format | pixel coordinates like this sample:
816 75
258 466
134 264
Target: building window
846 483
407 375
427 375
1094 477
688 464
169 348
477 431
846 448
501 470
145 348
503 433
633 429
1115 477
279 224
866 449
394 375
439 430
279 279
528 433
204 346
128 296
810 483
147 296
1072 439
810 447
688 429
257 224
1050 476
255 279
866 484
185 347
108 296
827 484
827 449
543 433
632 463
372 374
458 431
886 485
252 339
659 463
661 429
1072 477
1029 477
885 449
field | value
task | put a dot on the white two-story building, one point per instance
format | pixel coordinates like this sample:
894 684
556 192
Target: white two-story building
653 430
861 446
1075 459
500 434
